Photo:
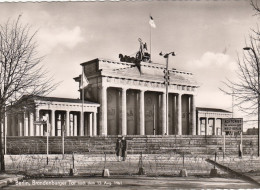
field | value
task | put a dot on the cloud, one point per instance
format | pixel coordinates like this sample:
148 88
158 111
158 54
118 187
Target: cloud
50 38
211 70
214 60
231 21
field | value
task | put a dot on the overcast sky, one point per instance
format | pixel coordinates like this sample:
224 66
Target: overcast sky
206 36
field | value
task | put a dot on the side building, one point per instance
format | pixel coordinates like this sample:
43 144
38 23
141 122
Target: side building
62 114
209 120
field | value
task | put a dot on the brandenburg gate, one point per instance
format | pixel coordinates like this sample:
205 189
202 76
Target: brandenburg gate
132 98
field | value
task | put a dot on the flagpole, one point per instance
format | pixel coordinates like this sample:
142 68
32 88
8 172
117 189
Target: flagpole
82 128
84 82
150 42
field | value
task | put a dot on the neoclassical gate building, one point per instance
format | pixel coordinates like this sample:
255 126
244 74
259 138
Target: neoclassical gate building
121 99
132 98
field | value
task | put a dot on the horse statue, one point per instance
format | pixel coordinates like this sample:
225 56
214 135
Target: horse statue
141 55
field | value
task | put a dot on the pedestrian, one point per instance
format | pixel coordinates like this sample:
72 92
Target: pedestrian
124 148
118 149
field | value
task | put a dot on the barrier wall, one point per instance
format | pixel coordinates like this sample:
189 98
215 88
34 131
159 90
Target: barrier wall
196 145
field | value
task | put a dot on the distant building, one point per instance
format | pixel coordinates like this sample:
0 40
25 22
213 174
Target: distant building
252 131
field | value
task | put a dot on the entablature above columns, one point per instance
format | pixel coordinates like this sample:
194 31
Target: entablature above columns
145 85
216 115
66 106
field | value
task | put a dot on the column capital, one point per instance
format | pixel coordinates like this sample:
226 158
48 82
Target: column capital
124 88
103 86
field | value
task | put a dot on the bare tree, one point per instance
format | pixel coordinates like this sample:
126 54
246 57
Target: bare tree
255 6
245 88
21 72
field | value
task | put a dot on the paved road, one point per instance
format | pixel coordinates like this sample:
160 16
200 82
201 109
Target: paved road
132 183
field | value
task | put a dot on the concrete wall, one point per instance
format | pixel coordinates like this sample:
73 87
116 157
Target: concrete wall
196 145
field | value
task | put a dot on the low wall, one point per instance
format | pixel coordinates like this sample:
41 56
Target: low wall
197 145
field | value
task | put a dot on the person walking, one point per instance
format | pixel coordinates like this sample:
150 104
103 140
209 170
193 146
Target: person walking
119 149
124 148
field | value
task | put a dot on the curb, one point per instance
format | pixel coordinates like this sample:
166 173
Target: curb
227 169
10 180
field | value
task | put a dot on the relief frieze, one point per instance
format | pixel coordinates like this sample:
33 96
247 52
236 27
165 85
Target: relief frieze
109 79
148 84
122 81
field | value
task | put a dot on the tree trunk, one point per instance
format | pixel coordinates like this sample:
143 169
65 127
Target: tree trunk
2 169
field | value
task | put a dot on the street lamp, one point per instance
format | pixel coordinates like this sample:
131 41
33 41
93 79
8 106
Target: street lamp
166 56
258 96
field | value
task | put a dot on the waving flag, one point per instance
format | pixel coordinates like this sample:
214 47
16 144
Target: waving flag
84 81
151 22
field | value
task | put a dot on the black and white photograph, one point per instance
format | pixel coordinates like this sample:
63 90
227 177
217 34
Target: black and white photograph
161 94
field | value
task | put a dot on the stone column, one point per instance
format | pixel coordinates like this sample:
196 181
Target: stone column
124 112
103 111
37 118
41 126
75 125
198 125
193 115
174 116
86 124
25 123
31 116
67 123
206 126
52 123
81 129
13 126
142 114
71 124
179 112
163 113
20 125
94 130
214 126
48 122
90 124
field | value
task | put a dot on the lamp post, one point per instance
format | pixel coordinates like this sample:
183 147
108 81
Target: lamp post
258 97
166 76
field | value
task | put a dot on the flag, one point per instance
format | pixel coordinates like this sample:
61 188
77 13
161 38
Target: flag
151 22
84 81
